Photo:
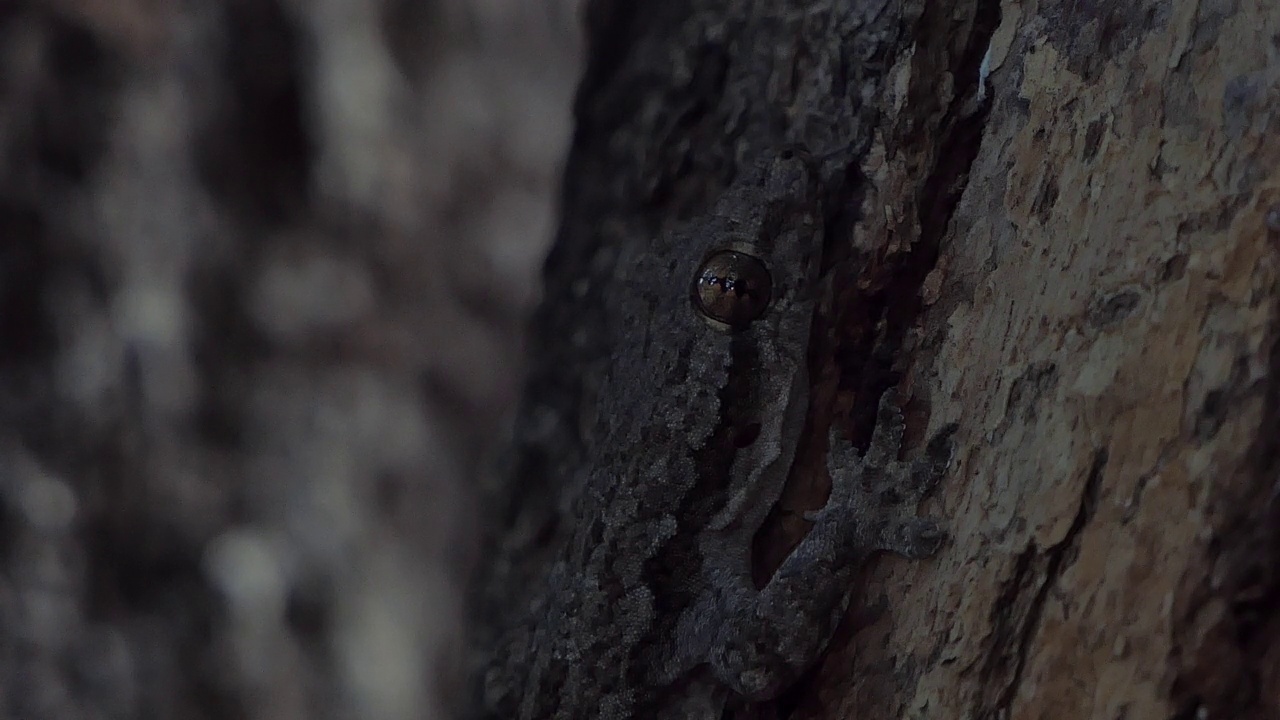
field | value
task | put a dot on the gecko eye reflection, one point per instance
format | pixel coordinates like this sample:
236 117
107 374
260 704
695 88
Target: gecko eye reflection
732 287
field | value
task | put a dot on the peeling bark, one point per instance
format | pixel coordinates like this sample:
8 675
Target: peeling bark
1081 269
1107 336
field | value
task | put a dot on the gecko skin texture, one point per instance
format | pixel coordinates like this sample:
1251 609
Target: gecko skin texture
649 609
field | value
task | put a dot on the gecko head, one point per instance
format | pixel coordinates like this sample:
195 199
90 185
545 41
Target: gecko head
763 230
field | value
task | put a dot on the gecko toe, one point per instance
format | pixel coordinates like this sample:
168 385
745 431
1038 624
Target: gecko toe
931 467
916 538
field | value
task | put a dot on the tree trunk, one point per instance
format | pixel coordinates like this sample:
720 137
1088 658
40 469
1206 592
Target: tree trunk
1109 307
1065 238
264 266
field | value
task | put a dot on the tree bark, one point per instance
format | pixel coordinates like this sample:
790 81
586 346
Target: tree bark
1067 242
262 263
264 268
1109 287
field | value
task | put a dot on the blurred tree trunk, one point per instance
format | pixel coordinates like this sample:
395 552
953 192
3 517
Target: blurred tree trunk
1070 229
264 266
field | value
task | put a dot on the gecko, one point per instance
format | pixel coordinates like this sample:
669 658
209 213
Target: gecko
649 609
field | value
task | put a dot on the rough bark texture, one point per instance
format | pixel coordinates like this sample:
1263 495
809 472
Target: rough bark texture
262 263
1110 299
1106 311
1085 278
263 270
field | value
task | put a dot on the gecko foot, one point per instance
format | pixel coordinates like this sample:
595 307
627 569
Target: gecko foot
876 494
765 638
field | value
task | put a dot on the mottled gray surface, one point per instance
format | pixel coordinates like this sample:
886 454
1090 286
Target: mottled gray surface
705 127
649 610
263 273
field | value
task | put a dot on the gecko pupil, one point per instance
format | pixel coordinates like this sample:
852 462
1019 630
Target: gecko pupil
732 288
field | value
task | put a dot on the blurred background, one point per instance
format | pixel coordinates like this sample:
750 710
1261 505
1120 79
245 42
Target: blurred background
264 272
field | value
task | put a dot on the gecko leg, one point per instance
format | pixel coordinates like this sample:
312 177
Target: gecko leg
771 635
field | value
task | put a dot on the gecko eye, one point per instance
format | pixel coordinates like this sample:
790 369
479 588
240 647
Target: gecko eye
732 288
